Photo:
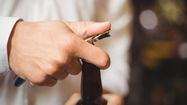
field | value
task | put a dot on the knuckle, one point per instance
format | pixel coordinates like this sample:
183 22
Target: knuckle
64 61
39 80
61 75
51 69
71 44
75 71
61 59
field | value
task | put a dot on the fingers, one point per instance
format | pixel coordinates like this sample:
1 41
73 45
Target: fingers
85 50
60 75
50 81
89 28
73 99
92 54
74 67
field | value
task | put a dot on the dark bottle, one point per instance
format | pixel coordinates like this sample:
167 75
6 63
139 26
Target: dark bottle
91 87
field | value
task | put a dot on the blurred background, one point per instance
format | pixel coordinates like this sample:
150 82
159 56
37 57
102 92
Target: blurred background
158 51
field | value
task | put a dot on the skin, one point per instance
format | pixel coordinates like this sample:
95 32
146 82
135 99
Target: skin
112 99
45 52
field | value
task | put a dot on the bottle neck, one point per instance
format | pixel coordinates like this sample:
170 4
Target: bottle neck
91 86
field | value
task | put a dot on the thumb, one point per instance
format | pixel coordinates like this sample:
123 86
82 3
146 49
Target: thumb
88 28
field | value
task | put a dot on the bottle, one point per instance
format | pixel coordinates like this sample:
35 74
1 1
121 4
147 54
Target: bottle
91 87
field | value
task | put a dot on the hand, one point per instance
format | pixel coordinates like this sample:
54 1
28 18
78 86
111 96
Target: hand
112 99
44 52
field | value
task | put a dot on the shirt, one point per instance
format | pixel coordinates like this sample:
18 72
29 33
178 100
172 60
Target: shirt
115 79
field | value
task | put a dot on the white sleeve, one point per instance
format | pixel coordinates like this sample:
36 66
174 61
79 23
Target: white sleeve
6 26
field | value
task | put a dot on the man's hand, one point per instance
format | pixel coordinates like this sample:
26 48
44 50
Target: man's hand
44 52
112 99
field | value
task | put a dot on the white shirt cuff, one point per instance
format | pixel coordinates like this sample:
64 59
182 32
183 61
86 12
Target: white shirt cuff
6 26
